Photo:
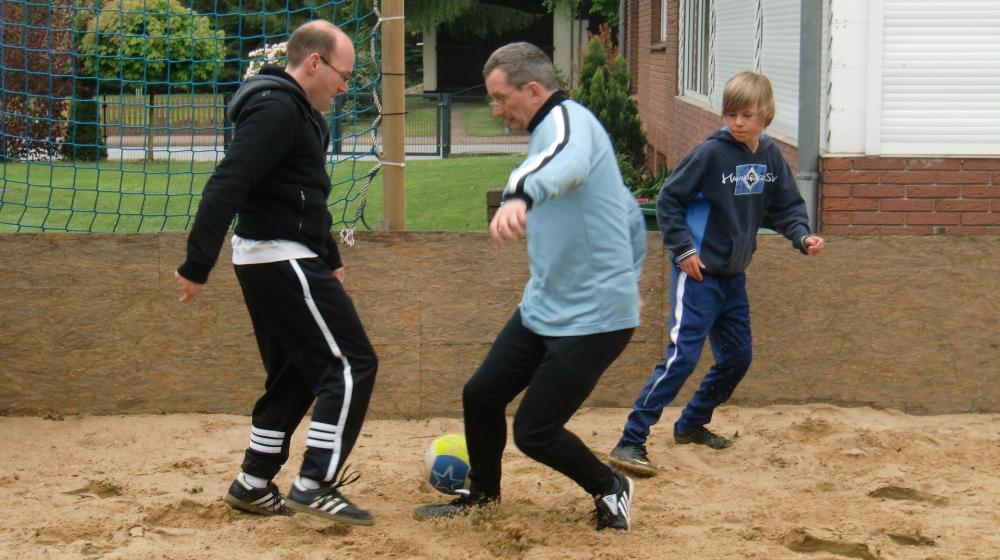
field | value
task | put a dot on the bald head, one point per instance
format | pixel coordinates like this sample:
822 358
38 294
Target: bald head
317 36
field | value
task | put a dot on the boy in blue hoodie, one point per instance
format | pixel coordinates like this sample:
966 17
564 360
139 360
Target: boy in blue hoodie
709 212
586 243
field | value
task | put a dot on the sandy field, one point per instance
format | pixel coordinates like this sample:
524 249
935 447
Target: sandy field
807 482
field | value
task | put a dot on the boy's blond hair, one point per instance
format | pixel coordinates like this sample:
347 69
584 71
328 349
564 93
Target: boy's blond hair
749 90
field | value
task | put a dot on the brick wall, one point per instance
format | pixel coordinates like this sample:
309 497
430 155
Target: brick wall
910 196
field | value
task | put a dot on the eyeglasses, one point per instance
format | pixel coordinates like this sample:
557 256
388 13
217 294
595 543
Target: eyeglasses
501 100
346 77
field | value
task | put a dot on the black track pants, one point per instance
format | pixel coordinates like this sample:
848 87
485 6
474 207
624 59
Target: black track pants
558 373
314 348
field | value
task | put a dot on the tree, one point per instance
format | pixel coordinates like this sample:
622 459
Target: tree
473 18
158 44
249 25
35 70
604 89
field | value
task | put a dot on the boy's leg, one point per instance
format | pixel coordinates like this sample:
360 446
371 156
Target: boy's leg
504 373
695 307
565 378
732 349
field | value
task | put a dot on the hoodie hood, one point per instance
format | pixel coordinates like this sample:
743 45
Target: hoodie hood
270 77
723 135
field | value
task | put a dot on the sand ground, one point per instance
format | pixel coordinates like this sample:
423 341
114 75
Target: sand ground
808 482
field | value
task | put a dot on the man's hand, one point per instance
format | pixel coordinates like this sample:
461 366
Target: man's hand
692 266
814 244
339 274
188 287
510 221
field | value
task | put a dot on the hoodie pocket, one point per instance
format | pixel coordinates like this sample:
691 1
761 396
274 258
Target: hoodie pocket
742 248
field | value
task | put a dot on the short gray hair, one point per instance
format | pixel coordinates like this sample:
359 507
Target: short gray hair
523 63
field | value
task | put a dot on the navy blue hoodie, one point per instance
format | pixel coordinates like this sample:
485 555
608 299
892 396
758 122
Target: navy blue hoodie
718 196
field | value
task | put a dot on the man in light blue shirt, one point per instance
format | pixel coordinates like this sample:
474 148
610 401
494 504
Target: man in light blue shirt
586 243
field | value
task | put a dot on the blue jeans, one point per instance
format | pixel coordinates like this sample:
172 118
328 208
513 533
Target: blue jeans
715 308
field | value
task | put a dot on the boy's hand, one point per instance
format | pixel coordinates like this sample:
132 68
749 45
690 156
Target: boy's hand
510 220
814 244
692 266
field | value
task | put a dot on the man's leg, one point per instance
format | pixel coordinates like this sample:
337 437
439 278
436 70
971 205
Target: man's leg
338 361
504 373
732 349
565 378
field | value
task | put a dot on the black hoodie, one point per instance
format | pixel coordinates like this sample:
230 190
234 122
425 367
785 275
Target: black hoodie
274 175
718 196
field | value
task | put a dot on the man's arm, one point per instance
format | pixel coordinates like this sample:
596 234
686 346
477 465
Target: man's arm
562 164
263 136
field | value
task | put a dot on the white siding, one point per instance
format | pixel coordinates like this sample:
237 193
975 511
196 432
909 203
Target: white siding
780 61
940 91
735 38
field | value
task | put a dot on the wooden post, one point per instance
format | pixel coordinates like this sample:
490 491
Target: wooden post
393 117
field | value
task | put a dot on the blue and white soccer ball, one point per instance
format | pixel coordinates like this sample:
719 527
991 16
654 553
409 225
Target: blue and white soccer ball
446 464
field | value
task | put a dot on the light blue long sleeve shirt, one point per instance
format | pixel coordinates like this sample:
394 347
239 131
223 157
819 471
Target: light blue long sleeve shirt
586 236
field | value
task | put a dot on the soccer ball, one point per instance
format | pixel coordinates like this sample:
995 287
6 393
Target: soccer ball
446 464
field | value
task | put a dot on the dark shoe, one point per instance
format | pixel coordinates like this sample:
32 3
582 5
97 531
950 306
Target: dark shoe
262 501
463 505
613 509
702 436
633 459
327 502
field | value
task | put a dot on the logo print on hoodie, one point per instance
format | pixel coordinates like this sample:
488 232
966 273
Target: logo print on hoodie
750 178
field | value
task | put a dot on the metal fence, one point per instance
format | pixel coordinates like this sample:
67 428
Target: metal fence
440 124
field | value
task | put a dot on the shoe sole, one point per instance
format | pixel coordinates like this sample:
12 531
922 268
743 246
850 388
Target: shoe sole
240 505
706 444
303 508
638 470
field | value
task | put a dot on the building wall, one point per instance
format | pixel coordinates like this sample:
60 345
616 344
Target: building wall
884 195
889 195
674 125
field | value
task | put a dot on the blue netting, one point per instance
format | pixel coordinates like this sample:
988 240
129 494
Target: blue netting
112 113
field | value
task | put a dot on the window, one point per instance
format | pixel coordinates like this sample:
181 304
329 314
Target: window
663 21
696 48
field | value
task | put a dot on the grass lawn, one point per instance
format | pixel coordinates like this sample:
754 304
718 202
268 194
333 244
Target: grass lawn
446 194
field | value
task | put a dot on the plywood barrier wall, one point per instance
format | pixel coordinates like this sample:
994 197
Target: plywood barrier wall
90 324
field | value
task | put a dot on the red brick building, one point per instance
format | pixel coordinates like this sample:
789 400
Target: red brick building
909 112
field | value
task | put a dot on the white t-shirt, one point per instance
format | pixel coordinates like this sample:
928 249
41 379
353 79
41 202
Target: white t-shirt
252 251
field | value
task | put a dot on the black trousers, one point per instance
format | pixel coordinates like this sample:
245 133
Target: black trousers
558 373
314 348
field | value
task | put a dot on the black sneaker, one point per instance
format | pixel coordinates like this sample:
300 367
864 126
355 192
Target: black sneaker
262 501
613 509
633 459
463 505
702 436
327 502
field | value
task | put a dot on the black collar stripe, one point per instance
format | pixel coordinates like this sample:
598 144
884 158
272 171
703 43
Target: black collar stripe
561 117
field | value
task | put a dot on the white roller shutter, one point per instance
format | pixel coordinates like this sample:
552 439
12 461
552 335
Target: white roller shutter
780 61
941 77
735 30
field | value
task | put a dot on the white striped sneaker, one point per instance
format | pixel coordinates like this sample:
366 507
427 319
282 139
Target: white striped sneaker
613 509
327 502
262 501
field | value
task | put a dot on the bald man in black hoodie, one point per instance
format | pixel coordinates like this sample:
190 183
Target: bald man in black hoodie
310 338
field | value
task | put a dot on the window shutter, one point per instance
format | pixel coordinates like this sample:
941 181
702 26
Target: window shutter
780 61
941 77
735 32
